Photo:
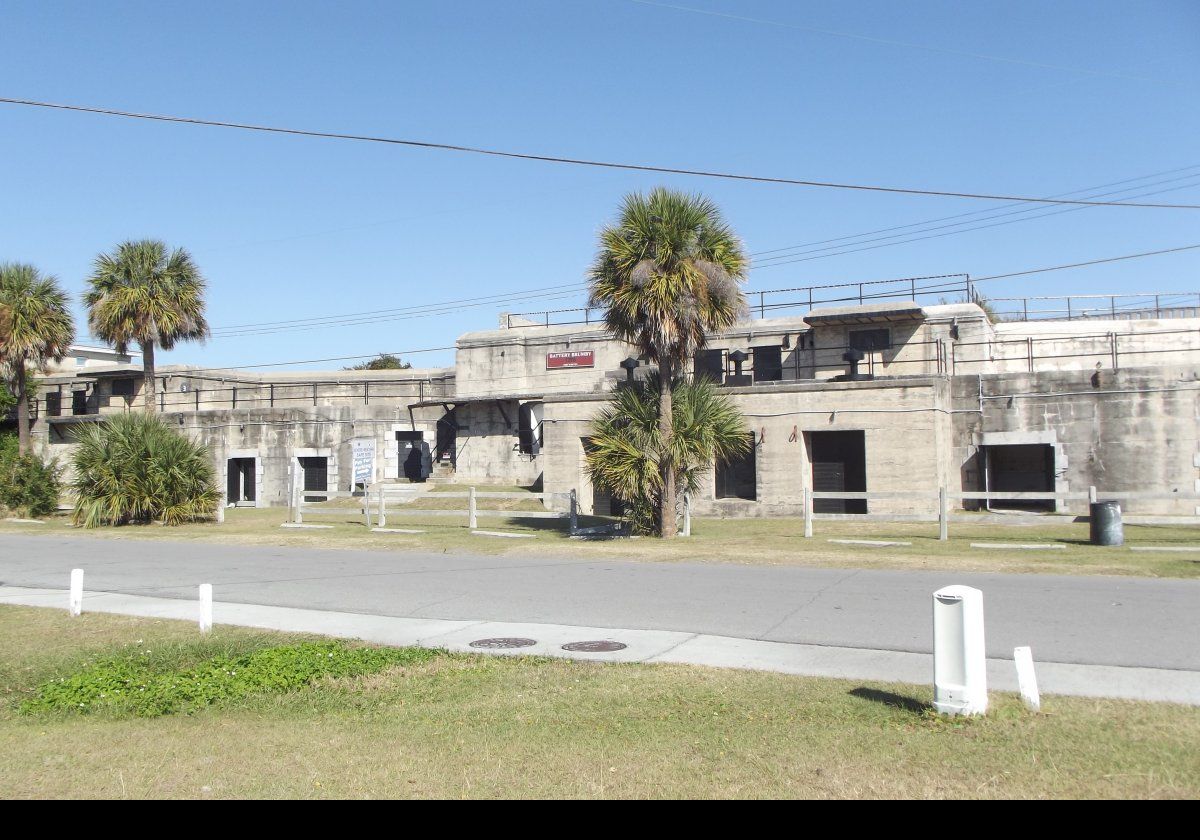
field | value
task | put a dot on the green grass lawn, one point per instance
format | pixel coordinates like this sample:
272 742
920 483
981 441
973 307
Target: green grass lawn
773 541
474 726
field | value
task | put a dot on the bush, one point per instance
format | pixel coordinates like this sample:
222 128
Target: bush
27 486
136 468
128 685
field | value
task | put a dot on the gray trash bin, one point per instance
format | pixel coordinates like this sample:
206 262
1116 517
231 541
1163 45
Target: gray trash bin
1106 528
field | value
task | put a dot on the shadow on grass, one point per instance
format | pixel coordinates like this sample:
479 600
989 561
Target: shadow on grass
898 701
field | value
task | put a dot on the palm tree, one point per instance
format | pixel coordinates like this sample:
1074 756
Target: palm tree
625 450
667 273
146 293
37 329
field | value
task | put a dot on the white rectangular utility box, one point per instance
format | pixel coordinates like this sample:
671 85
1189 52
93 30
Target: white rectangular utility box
959 658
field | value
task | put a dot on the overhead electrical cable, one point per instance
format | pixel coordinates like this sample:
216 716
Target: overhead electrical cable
632 167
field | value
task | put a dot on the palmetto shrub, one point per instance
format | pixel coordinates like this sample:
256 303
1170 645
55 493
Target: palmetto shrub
625 452
136 468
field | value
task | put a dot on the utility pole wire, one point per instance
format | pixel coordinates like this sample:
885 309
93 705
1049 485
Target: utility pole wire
632 167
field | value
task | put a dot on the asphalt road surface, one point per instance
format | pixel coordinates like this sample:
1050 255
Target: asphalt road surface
1073 619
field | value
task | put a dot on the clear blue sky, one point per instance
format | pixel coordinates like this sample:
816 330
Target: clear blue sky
1027 98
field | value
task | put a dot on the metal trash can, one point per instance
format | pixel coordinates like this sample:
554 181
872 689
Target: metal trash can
1106 528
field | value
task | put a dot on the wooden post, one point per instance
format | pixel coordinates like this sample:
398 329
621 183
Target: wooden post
381 519
472 520
292 491
687 514
943 515
574 511
808 512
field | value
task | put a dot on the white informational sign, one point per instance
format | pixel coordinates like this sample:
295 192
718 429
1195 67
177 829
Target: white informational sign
364 460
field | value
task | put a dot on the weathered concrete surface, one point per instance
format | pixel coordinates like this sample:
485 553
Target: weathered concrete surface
642 646
1117 621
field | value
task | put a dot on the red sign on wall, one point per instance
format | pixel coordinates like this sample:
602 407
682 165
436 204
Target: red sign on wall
571 359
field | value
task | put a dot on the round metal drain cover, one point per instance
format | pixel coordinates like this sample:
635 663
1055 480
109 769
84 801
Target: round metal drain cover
594 647
498 644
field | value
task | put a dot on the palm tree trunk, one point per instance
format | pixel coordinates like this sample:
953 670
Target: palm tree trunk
149 382
666 374
22 409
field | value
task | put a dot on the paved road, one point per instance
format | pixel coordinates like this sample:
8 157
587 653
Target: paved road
1087 620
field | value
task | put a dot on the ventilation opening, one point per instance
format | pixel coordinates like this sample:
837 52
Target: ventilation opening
1020 468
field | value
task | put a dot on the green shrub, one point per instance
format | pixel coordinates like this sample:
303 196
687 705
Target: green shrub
27 486
136 468
129 685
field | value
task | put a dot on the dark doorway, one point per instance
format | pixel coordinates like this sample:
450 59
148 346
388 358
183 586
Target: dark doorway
1022 468
316 476
736 478
240 485
414 455
839 464
447 438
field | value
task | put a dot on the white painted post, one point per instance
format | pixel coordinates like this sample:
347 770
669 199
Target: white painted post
687 514
75 601
472 519
808 512
298 495
205 607
1027 679
382 518
574 511
221 507
292 492
1092 495
959 659
943 515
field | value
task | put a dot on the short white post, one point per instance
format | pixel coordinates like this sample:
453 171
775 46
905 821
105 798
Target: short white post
1092 495
75 602
205 607
221 508
472 519
1027 679
943 515
808 512
381 519
687 514
574 511
959 658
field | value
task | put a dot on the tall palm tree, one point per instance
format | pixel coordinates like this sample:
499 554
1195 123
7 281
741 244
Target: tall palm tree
667 273
146 293
37 328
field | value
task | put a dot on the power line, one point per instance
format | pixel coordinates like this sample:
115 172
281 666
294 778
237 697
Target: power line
986 212
573 336
888 42
1089 262
632 167
850 250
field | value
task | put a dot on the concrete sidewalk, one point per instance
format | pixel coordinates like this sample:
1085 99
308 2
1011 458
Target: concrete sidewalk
642 646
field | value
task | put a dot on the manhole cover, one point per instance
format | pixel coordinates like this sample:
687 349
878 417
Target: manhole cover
496 644
594 647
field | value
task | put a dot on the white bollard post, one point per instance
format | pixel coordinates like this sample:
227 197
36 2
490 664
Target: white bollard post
1027 679
205 607
687 514
75 601
472 519
959 659
574 512
943 515
291 490
1092 495
382 517
221 508
808 512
